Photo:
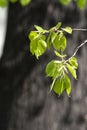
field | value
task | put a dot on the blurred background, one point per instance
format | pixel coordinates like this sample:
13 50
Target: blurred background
25 100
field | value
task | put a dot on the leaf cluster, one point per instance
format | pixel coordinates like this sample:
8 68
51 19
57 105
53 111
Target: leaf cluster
4 3
59 71
41 40
80 3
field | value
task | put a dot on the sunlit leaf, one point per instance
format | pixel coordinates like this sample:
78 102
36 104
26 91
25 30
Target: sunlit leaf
49 43
67 29
33 46
62 84
53 36
73 62
63 43
38 45
60 43
25 2
41 48
65 2
32 35
38 28
67 84
51 69
72 70
58 25
81 3
3 3
59 55
43 37
59 86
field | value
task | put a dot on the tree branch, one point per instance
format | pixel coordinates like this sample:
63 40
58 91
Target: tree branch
76 50
76 29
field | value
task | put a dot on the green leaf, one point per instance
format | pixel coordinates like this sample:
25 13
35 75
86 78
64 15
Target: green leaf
72 70
32 35
58 25
41 48
33 46
53 36
51 69
49 43
73 62
67 29
52 29
3 3
25 2
42 43
63 43
43 37
67 84
62 84
38 28
81 3
60 43
37 45
65 2
59 86
59 55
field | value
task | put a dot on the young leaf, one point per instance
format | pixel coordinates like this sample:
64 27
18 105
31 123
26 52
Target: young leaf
32 35
72 70
38 28
41 48
52 29
59 86
53 36
49 42
60 43
67 29
25 2
81 3
67 84
58 25
62 84
73 62
65 2
63 43
54 69
37 45
59 55
51 69
3 3
43 37
33 46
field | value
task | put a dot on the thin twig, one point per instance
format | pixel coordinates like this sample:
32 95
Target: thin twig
78 29
76 50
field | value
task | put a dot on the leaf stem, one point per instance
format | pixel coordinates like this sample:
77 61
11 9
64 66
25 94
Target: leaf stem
76 50
51 87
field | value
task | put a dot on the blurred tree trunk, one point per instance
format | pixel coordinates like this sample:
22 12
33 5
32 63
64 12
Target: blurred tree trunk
25 101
